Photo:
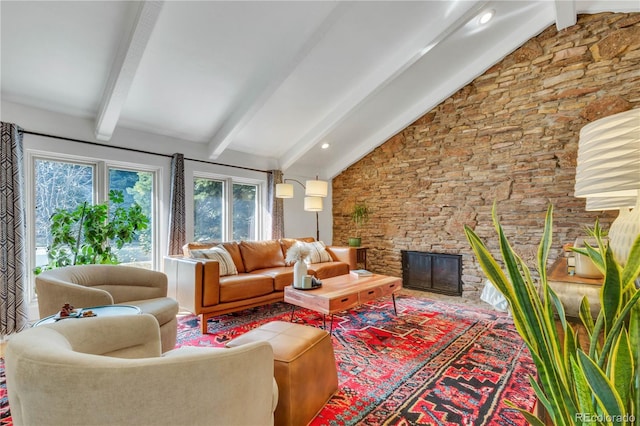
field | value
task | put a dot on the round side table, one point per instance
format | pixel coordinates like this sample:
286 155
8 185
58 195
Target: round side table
99 311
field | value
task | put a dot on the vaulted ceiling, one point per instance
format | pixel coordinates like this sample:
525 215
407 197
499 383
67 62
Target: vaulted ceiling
275 79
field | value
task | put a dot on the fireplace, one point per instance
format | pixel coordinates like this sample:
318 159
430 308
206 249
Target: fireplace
435 272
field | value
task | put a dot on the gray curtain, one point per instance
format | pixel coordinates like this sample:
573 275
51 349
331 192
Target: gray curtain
177 226
275 205
13 255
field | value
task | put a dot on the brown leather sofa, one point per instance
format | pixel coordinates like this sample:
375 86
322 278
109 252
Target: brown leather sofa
261 278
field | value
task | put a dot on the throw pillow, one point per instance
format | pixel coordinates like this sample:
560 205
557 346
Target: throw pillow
317 252
218 253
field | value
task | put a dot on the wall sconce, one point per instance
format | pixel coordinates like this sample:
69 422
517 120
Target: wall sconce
314 191
608 171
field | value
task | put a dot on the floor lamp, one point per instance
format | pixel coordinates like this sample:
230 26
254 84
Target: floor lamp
314 190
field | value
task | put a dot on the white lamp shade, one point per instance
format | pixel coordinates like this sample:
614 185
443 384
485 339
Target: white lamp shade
316 188
609 157
284 190
313 204
610 203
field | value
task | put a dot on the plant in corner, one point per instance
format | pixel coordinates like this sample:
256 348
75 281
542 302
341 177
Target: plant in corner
359 216
592 386
86 234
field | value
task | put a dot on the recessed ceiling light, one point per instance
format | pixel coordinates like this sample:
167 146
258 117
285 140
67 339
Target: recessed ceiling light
486 17
325 145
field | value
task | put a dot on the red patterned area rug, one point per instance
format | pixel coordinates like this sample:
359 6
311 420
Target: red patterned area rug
433 364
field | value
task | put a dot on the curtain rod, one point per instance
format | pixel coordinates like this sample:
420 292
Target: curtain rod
140 151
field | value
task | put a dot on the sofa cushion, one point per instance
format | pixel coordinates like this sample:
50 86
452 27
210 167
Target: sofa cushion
234 250
261 254
328 269
282 276
197 245
244 286
219 254
317 252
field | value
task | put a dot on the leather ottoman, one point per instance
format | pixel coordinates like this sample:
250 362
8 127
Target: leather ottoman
304 368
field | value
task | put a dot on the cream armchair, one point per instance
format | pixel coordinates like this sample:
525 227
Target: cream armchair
110 371
85 286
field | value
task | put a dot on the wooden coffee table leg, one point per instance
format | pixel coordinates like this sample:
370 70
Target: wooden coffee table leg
393 296
293 308
331 326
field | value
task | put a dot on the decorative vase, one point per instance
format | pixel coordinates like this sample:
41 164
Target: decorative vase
299 271
354 242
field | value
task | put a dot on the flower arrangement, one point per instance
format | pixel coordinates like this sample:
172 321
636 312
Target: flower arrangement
297 252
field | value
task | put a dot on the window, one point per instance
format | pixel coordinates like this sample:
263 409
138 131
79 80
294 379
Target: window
208 196
225 210
58 185
66 183
244 211
137 187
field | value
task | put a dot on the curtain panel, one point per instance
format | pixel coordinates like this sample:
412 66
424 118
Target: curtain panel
13 255
177 210
275 205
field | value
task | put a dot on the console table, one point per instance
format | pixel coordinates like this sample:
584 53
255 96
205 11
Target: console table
571 289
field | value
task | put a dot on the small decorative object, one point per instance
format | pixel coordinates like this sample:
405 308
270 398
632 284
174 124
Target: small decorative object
361 273
359 215
307 281
67 310
298 253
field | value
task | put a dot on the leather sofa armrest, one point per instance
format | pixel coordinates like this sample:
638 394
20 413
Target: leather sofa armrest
196 282
344 254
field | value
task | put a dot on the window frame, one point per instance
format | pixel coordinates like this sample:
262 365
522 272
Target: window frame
227 202
100 193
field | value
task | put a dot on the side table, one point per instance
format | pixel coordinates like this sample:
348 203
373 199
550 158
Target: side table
361 256
99 311
571 288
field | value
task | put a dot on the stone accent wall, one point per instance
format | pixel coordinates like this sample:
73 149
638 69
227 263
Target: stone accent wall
510 136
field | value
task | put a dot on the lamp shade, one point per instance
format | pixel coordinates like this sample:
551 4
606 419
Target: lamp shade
284 190
316 188
313 204
609 157
609 203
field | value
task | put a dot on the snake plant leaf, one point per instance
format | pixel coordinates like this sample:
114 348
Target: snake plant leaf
585 315
621 367
531 419
583 392
545 244
606 396
612 336
631 269
611 294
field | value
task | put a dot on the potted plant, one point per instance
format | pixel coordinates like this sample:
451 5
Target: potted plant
591 382
359 216
85 235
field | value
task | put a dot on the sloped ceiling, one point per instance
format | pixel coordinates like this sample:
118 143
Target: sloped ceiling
267 78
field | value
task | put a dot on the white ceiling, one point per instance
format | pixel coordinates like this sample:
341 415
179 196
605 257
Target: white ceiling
269 78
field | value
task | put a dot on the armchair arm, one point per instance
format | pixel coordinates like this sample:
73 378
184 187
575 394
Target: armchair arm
123 336
344 254
53 294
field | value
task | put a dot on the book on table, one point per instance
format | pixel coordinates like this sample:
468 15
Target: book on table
361 273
